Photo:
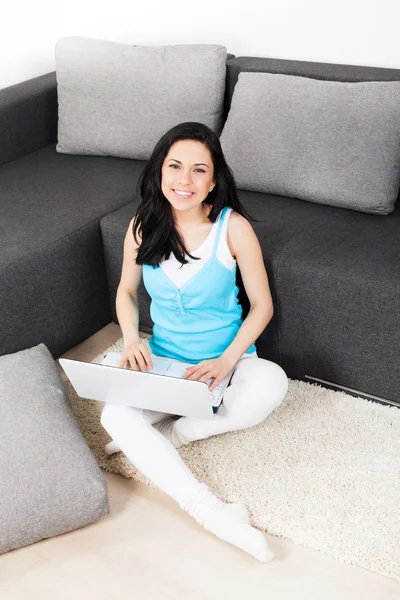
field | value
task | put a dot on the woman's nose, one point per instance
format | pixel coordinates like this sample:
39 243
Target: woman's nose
185 178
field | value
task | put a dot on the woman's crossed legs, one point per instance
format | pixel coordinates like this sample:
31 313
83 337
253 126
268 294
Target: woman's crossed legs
149 440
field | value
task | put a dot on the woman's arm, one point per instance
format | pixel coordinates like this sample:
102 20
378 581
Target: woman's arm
246 248
127 304
127 308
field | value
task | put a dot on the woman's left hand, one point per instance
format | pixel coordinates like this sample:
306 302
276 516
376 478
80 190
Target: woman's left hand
217 368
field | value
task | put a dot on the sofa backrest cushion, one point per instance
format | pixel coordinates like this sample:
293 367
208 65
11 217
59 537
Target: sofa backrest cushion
330 142
302 68
118 100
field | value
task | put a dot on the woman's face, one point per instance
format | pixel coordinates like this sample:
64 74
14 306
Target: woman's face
188 167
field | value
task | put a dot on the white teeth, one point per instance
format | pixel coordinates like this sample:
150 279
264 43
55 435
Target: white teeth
183 193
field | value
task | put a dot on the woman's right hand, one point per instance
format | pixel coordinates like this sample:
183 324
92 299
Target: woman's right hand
136 356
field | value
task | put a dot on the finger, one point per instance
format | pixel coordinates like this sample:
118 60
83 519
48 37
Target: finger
196 367
191 374
188 375
207 376
197 374
145 362
133 363
141 361
149 361
214 384
188 372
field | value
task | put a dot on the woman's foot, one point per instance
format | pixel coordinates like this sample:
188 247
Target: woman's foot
217 517
239 512
112 447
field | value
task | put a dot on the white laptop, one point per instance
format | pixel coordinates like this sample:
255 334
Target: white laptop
161 388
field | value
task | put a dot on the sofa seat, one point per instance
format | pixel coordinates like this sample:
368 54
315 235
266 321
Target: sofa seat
330 270
50 210
339 290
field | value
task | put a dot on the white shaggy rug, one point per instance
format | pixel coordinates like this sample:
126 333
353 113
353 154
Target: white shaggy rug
323 470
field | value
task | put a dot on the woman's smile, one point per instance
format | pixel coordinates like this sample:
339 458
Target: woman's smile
181 194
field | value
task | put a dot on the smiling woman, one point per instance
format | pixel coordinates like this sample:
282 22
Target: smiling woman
189 200
189 179
187 159
184 181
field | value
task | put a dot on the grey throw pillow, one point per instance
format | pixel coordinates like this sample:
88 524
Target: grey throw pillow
50 481
324 141
118 100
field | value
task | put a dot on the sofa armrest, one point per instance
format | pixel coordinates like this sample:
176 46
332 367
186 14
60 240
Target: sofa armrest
28 116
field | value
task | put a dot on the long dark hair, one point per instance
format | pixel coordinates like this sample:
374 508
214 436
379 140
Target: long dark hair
154 218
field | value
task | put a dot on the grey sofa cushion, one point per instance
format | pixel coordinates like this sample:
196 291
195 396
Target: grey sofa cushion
328 142
50 481
339 303
118 100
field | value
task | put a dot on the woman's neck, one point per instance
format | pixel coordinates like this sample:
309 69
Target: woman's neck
188 221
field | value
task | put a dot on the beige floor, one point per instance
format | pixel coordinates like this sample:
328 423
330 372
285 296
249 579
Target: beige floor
148 548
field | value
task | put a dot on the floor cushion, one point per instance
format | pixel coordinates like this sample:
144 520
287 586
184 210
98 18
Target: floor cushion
50 480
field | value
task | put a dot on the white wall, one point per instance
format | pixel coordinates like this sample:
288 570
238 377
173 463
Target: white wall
359 32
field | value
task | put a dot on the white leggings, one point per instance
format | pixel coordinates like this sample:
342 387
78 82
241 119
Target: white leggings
256 388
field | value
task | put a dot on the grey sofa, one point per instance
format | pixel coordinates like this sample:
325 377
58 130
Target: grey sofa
334 273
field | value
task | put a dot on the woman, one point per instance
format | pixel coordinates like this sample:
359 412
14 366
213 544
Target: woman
186 239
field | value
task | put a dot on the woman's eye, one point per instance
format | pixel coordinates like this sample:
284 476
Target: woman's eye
201 170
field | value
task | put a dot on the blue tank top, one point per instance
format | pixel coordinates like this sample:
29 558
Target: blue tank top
199 320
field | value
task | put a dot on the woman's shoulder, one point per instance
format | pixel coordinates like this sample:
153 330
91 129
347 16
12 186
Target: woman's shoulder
236 220
239 230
